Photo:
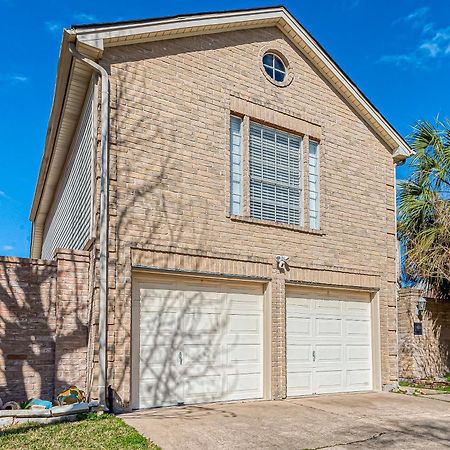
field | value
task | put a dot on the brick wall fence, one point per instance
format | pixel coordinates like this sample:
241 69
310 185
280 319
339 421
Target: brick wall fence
43 325
427 354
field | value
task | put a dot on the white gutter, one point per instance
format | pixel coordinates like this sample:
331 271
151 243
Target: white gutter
104 216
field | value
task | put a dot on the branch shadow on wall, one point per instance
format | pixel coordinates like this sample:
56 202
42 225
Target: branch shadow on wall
28 330
429 352
155 209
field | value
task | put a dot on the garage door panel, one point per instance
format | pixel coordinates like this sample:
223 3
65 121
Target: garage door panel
203 302
359 379
328 381
243 385
358 353
358 309
153 299
328 327
157 390
152 355
357 328
203 323
244 302
300 382
247 323
326 354
203 354
166 370
203 387
159 397
243 354
217 329
163 322
300 305
299 326
328 306
299 353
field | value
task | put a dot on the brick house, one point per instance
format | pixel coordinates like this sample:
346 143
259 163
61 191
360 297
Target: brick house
234 192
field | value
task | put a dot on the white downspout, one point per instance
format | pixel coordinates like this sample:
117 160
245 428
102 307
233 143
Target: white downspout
104 217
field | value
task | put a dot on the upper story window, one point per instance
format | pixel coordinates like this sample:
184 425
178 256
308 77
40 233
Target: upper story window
274 67
267 175
275 175
267 179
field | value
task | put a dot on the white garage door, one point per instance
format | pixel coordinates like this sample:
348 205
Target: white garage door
328 345
196 341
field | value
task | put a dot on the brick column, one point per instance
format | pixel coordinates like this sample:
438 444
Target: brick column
279 382
72 301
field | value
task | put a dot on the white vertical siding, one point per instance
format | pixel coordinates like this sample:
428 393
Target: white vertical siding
69 222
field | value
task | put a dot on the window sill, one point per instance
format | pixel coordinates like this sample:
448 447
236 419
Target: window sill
269 223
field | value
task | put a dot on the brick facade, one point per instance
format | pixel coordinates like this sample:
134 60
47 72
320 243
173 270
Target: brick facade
43 318
169 146
426 355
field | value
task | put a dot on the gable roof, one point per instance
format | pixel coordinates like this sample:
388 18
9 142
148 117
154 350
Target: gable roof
73 79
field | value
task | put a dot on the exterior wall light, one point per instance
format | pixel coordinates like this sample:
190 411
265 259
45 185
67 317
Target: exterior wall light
421 306
282 261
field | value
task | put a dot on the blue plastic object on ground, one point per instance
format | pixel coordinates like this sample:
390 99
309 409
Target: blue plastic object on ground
45 404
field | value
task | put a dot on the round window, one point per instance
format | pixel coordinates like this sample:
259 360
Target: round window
274 67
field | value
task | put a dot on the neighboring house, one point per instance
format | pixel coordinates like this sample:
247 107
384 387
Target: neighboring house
227 142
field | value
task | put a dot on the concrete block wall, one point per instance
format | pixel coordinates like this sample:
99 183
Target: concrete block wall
43 314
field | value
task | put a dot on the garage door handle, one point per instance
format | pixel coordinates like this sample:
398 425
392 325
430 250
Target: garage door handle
314 355
180 358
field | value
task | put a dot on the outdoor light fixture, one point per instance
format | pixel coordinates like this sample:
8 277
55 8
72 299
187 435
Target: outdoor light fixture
282 261
421 305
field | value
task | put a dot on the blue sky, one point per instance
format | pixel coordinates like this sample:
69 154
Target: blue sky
397 52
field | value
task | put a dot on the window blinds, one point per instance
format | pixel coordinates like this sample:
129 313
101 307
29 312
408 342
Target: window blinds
275 175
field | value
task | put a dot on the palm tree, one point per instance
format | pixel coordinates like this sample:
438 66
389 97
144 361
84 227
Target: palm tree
424 209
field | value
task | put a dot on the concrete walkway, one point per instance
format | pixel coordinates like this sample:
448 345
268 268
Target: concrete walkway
346 421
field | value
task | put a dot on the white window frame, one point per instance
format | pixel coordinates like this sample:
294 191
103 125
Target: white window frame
311 224
243 212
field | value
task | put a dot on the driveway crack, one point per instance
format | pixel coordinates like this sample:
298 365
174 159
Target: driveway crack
359 441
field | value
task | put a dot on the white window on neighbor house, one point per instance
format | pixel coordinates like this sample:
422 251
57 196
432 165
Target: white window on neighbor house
236 165
313 185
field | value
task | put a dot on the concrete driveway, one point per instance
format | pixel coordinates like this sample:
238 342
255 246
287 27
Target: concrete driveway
346 421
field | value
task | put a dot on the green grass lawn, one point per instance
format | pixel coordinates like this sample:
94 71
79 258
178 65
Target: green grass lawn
92 432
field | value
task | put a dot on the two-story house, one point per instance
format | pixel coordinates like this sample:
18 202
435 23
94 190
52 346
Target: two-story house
236 191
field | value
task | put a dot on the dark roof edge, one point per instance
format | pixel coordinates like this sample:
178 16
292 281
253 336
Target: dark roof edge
177 16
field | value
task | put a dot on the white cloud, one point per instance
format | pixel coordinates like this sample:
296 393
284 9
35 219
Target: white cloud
432 49
3 194
417 14
400 59
83 17
53 27
433 43
13 78
7 248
